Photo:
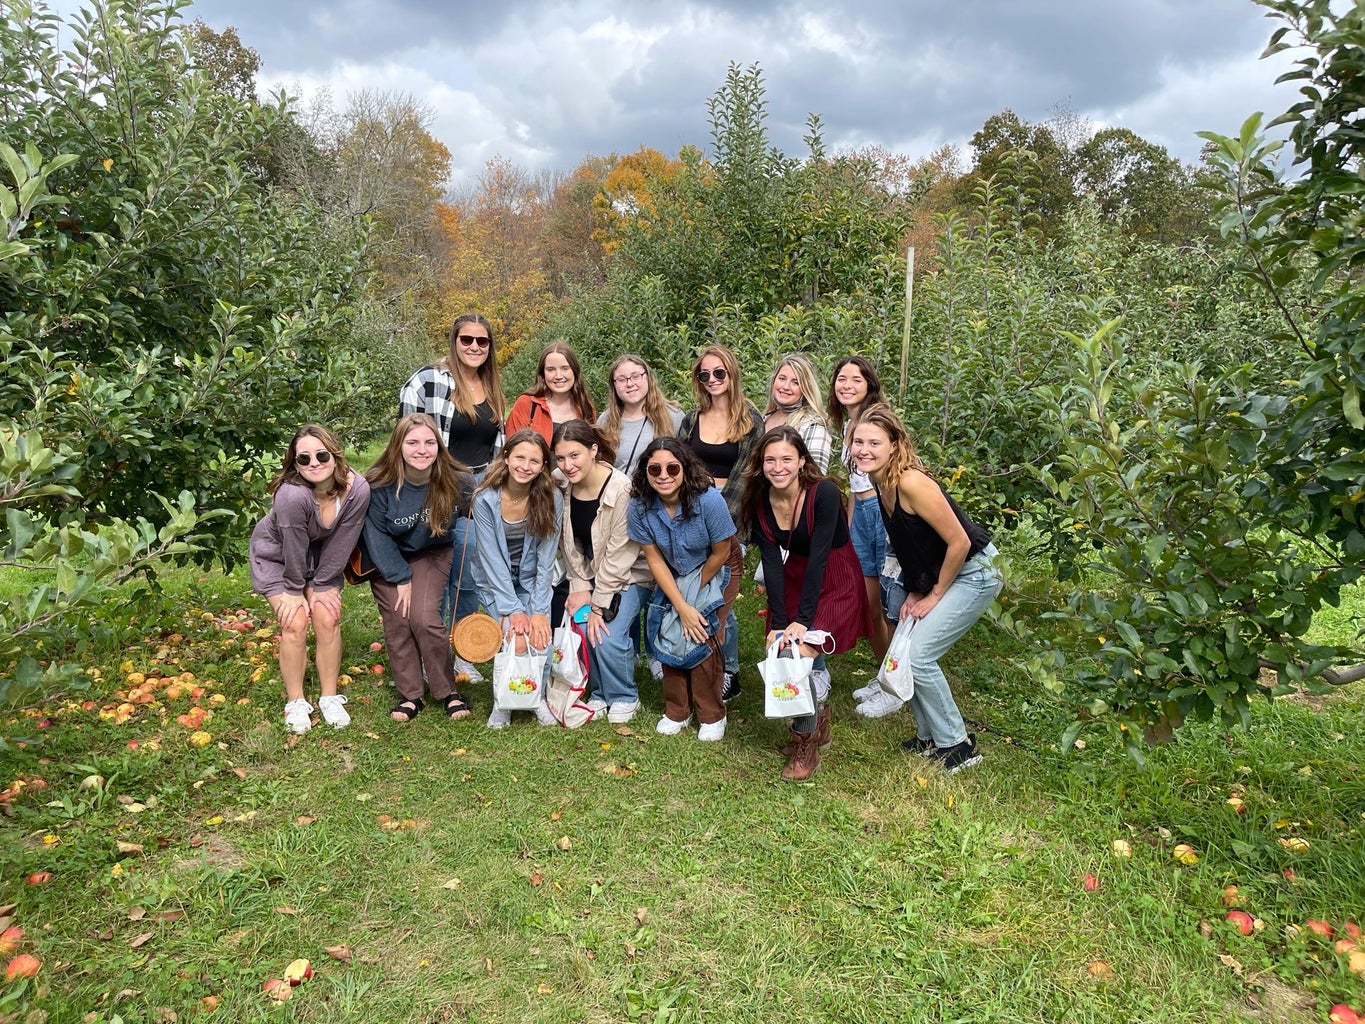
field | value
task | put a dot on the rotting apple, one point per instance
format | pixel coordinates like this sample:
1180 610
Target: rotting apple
1231 897
1090 882
25 965
298 972
10 939
278 989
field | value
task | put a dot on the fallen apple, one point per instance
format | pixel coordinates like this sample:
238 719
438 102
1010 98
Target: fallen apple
1355 961
1185 854
1231 897
1237 804
10 939
1319 927
377 669
25 965
1352 929
376 646
1344 946
1343 1014
39 877
278 989
1090 883
1121 848
298 972
1241 920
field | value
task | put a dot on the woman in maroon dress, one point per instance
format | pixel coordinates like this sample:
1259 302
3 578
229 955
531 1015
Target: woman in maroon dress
816 597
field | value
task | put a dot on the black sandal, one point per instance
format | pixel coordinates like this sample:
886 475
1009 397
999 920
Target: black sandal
409 708
457 706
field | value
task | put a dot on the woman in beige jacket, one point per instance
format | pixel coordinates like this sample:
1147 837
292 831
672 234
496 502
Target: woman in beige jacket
607 570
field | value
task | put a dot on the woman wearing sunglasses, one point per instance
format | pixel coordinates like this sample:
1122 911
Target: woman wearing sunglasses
721 431
518 517
558 395
637 411
794 400
297 554
795 514
607 570
684 527
462 392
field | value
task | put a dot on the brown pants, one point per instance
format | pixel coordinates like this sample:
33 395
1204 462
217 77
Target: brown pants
698 689
420 643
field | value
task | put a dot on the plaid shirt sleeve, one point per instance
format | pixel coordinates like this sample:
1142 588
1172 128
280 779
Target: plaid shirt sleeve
428 390
818 443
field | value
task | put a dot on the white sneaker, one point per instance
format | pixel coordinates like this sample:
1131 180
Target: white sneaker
862 693
656 669
668 727
711 731
544 715
499 718
623 711
597 706
820 677
296 714
879 705
333 711
475 676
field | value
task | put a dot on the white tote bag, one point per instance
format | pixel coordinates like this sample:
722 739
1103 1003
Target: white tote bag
895 674
568 689
518 679
788 690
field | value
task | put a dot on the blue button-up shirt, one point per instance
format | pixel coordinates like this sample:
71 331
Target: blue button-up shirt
685 543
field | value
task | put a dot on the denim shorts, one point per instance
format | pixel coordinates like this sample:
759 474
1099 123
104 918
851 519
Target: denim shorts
894 592
868 533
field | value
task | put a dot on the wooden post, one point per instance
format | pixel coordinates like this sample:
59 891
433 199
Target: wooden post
905 336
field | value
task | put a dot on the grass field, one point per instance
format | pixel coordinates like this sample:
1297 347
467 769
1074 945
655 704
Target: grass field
610 874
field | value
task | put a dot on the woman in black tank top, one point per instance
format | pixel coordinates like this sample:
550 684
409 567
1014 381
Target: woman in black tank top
949 582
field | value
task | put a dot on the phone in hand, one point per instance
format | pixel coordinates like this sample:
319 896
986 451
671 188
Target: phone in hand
581 616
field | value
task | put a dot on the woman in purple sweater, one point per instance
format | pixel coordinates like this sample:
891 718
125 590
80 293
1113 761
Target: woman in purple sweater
297 553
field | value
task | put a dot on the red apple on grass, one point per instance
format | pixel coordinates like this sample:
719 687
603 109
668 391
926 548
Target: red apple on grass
1241 920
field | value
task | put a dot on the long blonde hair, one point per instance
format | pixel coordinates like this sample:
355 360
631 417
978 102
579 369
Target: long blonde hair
809 410
488 371
904 458
739 422
443 486
657 408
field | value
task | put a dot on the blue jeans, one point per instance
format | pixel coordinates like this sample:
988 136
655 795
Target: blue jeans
868 533
971 593
731 647
461 575
611 664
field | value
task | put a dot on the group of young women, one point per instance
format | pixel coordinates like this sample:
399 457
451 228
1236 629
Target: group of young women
639 515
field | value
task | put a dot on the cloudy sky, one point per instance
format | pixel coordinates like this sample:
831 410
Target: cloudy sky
546 82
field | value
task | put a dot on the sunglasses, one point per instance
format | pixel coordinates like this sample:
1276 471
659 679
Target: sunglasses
706 376
304 459
656 470
474 339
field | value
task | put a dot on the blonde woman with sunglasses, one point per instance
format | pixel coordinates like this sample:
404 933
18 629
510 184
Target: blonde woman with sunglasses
297 554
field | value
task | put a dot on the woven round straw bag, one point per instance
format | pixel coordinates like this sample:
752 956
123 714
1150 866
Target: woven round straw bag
477 637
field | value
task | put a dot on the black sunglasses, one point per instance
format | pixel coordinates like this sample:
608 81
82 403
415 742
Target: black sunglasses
304 459
483 341
656 470
705 375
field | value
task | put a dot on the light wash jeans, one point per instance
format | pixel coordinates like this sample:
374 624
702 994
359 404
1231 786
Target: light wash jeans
731 646
461 575
611 664
971 593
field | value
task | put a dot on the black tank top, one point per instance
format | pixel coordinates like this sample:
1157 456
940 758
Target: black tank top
919 548
720 458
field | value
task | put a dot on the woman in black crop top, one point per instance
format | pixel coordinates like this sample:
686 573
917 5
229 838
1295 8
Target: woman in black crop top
816 597
948 578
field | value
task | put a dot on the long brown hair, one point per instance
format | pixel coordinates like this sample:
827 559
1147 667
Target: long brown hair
488 371
656 406
582 400
444 484
904 458
740 421
756 486
289 472
540 503
838 415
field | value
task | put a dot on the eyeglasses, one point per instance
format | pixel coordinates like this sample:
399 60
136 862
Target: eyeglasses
305 459
469 340
669 471
633 378
705 376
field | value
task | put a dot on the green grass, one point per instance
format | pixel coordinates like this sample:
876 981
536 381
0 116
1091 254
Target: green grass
601 875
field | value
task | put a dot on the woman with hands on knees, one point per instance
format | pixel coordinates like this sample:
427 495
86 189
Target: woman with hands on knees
684 527
417 493
518 516
297 554
607 570
949 581
816 599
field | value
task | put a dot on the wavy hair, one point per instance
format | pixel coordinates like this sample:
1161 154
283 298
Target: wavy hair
584 433
739 421
444 486
904 458
488 372
540 504
656 406
838 415
289 472
809 411
756 486
696 478
582 400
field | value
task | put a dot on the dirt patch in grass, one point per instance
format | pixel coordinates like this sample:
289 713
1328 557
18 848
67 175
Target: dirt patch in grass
1278 1003
216 853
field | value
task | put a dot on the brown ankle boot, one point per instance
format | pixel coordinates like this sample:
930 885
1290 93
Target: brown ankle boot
821 732
804 759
